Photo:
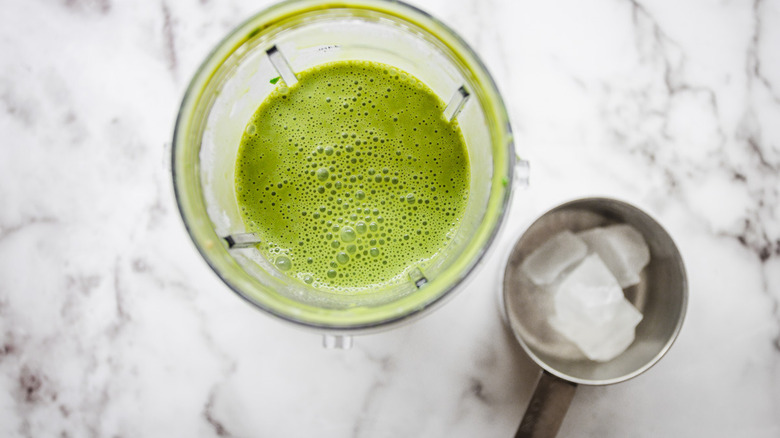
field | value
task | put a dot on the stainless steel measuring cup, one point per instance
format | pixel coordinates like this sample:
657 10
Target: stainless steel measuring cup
661 297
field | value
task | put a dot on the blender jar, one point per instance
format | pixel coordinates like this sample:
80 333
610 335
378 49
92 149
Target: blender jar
234 80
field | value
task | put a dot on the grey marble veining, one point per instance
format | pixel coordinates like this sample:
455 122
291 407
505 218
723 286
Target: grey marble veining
112 325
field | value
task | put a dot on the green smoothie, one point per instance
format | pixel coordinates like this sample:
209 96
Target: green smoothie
352 176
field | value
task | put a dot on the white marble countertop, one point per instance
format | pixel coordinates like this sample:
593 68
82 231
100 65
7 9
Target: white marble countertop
112 325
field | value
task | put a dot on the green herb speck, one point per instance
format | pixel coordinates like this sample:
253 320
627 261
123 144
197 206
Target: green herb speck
275 80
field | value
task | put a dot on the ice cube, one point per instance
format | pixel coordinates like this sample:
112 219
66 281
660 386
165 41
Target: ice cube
601 342
554 256
590 291
591 311
622 248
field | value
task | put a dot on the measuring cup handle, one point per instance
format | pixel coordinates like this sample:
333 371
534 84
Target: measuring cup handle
548 406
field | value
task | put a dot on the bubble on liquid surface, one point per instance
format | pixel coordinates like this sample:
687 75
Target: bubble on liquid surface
348 234
342 258
361 227
322 174
283 263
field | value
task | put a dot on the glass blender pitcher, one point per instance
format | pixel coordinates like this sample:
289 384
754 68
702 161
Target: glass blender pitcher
294 36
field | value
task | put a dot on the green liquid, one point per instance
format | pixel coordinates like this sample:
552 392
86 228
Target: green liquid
352 176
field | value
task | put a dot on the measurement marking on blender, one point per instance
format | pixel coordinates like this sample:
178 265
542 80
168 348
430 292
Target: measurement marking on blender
417 277
456 103
241 240
522 171
282 66
337 341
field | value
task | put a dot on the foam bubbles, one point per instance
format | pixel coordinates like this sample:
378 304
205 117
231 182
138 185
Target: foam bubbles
361 227
283 263
322 174
342 258
348 234
322 183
